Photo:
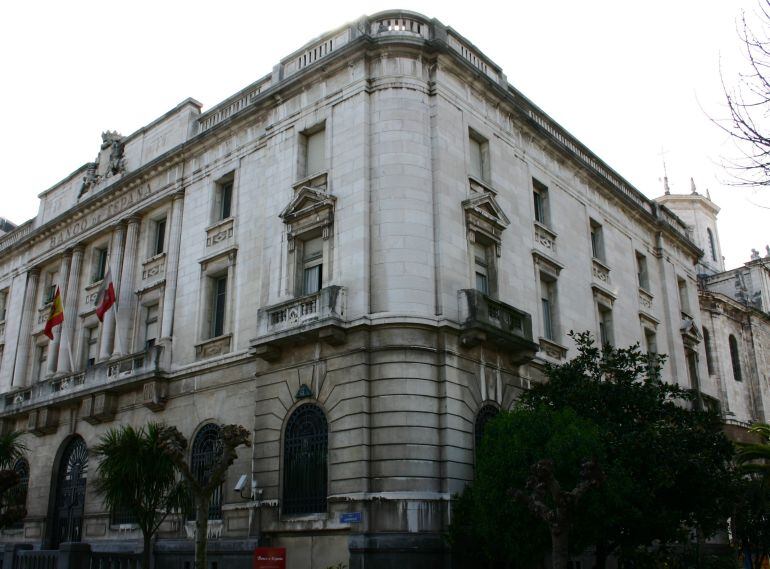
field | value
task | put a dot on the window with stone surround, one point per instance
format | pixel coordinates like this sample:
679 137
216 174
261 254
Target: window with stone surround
90 345
597 240
223 198
98 264
218 303
312 265
684 300
541 205
485 414
49 286
478 165
41 361
3 303
151 321
548 307
642 277
217 281
606 336
158 236
312 151
483 263
205 452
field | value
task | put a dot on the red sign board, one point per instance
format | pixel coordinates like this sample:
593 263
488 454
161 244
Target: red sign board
270 558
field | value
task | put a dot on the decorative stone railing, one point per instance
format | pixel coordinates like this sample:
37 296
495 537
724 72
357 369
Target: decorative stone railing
220 234
645 300
16 235
110 374
231 106
545 238
600 272
474 57
400 25
154 268
213 347
321 314
484 319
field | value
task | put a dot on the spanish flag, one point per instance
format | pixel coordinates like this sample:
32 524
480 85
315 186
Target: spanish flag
57 315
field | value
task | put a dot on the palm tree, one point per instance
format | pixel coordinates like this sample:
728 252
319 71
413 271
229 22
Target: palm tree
12 501
137 478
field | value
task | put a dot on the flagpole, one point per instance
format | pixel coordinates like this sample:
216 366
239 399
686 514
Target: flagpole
118 339
69 350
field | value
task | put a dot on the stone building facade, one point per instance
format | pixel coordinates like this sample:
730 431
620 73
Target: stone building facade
360 256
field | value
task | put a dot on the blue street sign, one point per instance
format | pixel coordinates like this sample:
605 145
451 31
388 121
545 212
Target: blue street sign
350 518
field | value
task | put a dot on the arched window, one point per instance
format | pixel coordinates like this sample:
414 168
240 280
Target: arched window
17 496
712 246
206 451
305 445
485 414
735 358
707 345
71 492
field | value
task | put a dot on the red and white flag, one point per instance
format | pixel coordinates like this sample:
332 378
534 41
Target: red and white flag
106 297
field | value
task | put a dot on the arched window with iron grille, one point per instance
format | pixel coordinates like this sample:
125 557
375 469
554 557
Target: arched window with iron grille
206 451
17 496
485 414
305 447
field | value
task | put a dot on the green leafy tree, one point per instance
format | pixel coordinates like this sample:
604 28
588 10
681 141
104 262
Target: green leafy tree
136 477
529 463
668 463
12 501
174 444
666 466
751 516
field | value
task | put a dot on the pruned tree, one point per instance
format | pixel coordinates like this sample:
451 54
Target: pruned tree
174 444
551 503
748 103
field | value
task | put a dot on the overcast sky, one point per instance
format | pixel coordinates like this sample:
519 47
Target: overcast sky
630 80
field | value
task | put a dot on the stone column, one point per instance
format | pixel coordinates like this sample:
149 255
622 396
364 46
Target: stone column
70 312
172 266
108 326
53 346
126 296
29 311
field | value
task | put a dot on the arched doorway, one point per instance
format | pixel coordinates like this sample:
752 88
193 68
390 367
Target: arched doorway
70 493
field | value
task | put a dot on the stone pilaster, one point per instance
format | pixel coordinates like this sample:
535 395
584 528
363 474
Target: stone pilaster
53 346
172 266
27 315
126 296
108 340
70 312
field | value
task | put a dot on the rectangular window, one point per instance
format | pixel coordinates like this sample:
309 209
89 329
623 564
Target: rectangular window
218 305
481 267
650 341
92 345
312 265
3 304
605 325
42 362
159 237
224 200
100 264
641 271
312 152
548 305
150 325
479 156
683 297
49 290
540 198
597 241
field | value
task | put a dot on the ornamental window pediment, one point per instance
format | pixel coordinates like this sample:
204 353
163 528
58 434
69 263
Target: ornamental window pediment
483 215
310 209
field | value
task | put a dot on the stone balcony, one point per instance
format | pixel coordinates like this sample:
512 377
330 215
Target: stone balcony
100 383
318 315
485 320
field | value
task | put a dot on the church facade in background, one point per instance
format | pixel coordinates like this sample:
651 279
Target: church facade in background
361 257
